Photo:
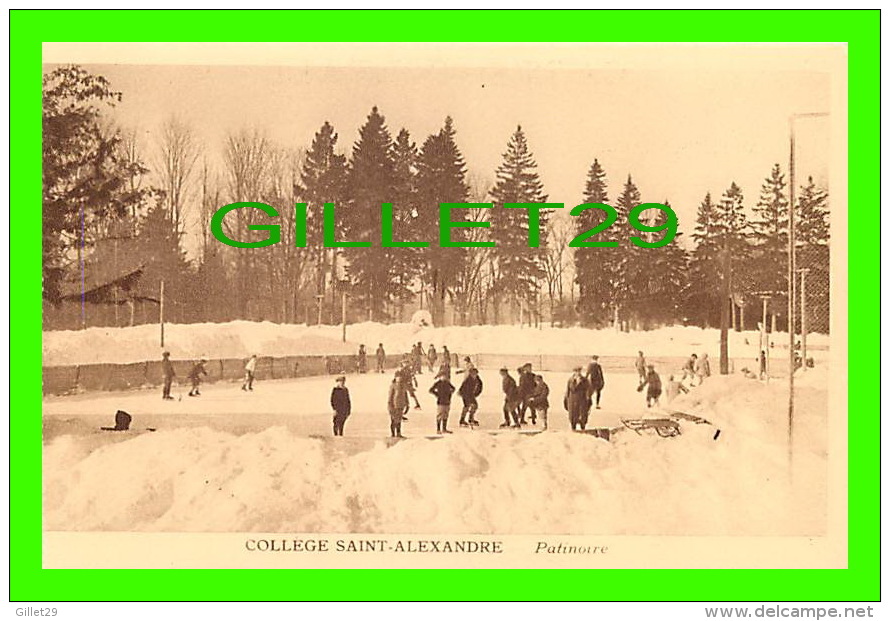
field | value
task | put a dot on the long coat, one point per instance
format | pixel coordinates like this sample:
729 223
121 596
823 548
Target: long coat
595 376
577 399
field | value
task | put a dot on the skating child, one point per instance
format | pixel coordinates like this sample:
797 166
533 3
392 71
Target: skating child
169 374
362 359
469 390
511 399
195 376
526 390
653 381
442 389
249 372
431 357
541 399
397 405
640 366
596 380
381 358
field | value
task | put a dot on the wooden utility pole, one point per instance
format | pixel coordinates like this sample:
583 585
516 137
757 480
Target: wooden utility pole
803 317
343 315
161 312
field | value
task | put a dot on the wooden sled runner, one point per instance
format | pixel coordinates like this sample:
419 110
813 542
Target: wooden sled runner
664 427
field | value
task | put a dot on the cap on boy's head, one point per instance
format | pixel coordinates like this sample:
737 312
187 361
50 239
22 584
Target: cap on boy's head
341 379
595 357
577 369
166 354
650 366
504 370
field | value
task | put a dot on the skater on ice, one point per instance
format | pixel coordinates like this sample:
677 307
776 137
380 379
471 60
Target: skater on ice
442 389
467 365
341 404
381 359
405 375
169 374
362 359
511 399
640 366
249 373
417 358
577 400
526 390
445 368
469 391
431 357
195 376
446 355
595 379
397 405
653 381
541 400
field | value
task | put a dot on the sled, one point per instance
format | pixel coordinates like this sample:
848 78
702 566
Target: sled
664 427
692 418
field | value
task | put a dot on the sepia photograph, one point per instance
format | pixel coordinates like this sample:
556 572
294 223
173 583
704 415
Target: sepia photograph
533 302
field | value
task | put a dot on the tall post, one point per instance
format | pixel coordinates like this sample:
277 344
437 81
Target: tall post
320 299
343 315
764 339
161 312
803 317
725 301
791 291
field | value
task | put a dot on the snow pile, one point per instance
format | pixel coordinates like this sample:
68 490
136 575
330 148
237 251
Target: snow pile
199 479
240 339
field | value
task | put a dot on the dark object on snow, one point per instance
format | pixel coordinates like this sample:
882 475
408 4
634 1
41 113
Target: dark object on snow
717 435
122 422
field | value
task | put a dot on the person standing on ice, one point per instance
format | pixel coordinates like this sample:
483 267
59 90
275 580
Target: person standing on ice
511 399
446 355
653 381
689 369
702 368
362 359
640 366
405 375
195 376
526 390
249 373
417 358
469 391
431 357
673 388
595 379
169 374
468 365
381 358
577 400
341 404
397 405
442 388
541 399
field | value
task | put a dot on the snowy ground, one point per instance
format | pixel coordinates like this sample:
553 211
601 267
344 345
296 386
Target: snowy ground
264 461
240 339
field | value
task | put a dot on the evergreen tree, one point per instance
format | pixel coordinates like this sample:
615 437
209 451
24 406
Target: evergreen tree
441 178
665 281
371 181
770 234
85 175
630 264
813 236
593 266
518 267
406 219
702 299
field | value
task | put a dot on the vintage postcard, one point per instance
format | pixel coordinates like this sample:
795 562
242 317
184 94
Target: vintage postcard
444 305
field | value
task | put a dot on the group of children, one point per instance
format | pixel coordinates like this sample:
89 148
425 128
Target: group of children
694 368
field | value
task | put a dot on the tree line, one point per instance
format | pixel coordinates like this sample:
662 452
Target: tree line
116 212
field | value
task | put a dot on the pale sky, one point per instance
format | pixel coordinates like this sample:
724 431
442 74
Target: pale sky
681 130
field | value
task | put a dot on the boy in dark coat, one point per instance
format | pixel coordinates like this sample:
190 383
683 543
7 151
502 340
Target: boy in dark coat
526 390
341 404
362 359
577 400
442 389
381 358
595 379
169 374
511 399
541 399
195 375
654 390
470 389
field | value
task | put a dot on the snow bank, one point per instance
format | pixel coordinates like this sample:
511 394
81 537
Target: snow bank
240 339
199 479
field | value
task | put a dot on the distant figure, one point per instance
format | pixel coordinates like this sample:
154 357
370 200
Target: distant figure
673 389
445 368
406 376
341 404
442 389
511 399
541 400
381 359
169 374
195 375
762 360
467 365
249 373
577 400
654 382
640 366
122 422
689 369
362 359
397 405
595 379
469 391
417 358
431 357
446 355
526 390
702 368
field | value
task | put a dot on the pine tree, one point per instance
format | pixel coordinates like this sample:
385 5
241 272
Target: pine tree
813 236
770 234
441 178
518 268
630 264
593 266
406 221
662 297
702 299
